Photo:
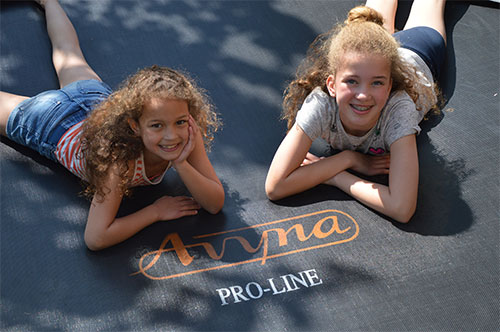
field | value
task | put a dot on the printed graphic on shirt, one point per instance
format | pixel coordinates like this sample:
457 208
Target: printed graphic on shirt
376 151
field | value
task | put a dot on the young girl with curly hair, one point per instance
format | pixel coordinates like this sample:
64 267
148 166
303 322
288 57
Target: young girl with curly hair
364 90
158 119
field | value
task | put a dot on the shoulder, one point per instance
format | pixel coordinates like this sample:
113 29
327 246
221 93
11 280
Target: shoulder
417 62
318 97
317 104
317 113
400 101
400 117
399 106
116 172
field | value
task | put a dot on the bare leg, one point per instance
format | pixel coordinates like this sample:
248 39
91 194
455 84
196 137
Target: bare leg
429 13
388 10
69 62
68 59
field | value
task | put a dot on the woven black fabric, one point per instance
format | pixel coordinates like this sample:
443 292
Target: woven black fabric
439 272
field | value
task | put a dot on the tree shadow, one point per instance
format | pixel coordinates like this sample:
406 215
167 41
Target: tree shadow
49 280
441 210
340 278
106 274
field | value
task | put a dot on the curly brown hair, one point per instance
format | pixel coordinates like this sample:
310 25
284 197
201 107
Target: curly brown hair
107 139
362 32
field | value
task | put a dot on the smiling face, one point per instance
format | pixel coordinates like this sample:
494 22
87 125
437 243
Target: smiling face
163 128
361 88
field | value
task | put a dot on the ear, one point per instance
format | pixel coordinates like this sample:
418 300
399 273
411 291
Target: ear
134 126
330 85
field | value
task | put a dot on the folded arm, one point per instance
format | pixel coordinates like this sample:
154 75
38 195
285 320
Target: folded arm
398 200
103 229
294 170
286 176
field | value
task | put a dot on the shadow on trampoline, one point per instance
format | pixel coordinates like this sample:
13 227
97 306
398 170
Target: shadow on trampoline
213 315
242 52
441 209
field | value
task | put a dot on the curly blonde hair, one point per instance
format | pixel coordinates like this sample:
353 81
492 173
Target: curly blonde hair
107 139
362 32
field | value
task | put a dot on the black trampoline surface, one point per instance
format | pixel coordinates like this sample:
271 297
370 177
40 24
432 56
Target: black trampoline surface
315 261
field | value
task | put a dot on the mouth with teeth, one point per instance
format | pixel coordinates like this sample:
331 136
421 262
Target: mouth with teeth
169 148
359 109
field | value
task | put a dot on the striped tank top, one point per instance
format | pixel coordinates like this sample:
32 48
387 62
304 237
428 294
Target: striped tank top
69 154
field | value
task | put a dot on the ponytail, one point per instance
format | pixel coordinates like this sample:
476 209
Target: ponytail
364 14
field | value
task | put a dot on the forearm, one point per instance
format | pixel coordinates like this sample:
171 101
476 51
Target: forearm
395 204
280 185
105 230
208 192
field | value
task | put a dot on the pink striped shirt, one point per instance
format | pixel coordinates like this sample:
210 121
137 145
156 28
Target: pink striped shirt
69 154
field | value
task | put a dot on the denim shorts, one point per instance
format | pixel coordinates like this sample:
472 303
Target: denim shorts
427 43
40 121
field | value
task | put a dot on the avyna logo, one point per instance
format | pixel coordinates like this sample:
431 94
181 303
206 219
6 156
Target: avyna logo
258 243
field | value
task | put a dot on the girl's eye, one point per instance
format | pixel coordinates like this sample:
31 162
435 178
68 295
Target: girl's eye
351 81
156 125
181 122
378 83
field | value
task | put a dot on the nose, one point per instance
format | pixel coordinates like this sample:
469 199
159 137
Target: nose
169 134
363 92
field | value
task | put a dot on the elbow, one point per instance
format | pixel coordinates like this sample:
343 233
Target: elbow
214 209
272 195
94 246
93 243
403 218
279 186
217 206
404 213
273 191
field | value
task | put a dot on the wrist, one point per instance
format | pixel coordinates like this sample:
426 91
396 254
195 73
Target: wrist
331 181
334 181
179 165
154 211
350 157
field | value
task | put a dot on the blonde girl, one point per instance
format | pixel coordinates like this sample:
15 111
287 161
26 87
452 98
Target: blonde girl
157 120
364 91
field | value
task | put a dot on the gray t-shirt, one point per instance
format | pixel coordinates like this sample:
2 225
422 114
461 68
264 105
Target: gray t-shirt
319 117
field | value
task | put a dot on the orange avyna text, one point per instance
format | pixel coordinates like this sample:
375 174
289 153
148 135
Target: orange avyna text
258 243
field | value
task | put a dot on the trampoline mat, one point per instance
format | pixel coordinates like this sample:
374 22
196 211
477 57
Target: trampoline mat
315 261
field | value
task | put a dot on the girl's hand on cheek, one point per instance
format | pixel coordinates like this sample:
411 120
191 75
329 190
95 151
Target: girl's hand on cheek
169 207
191 143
